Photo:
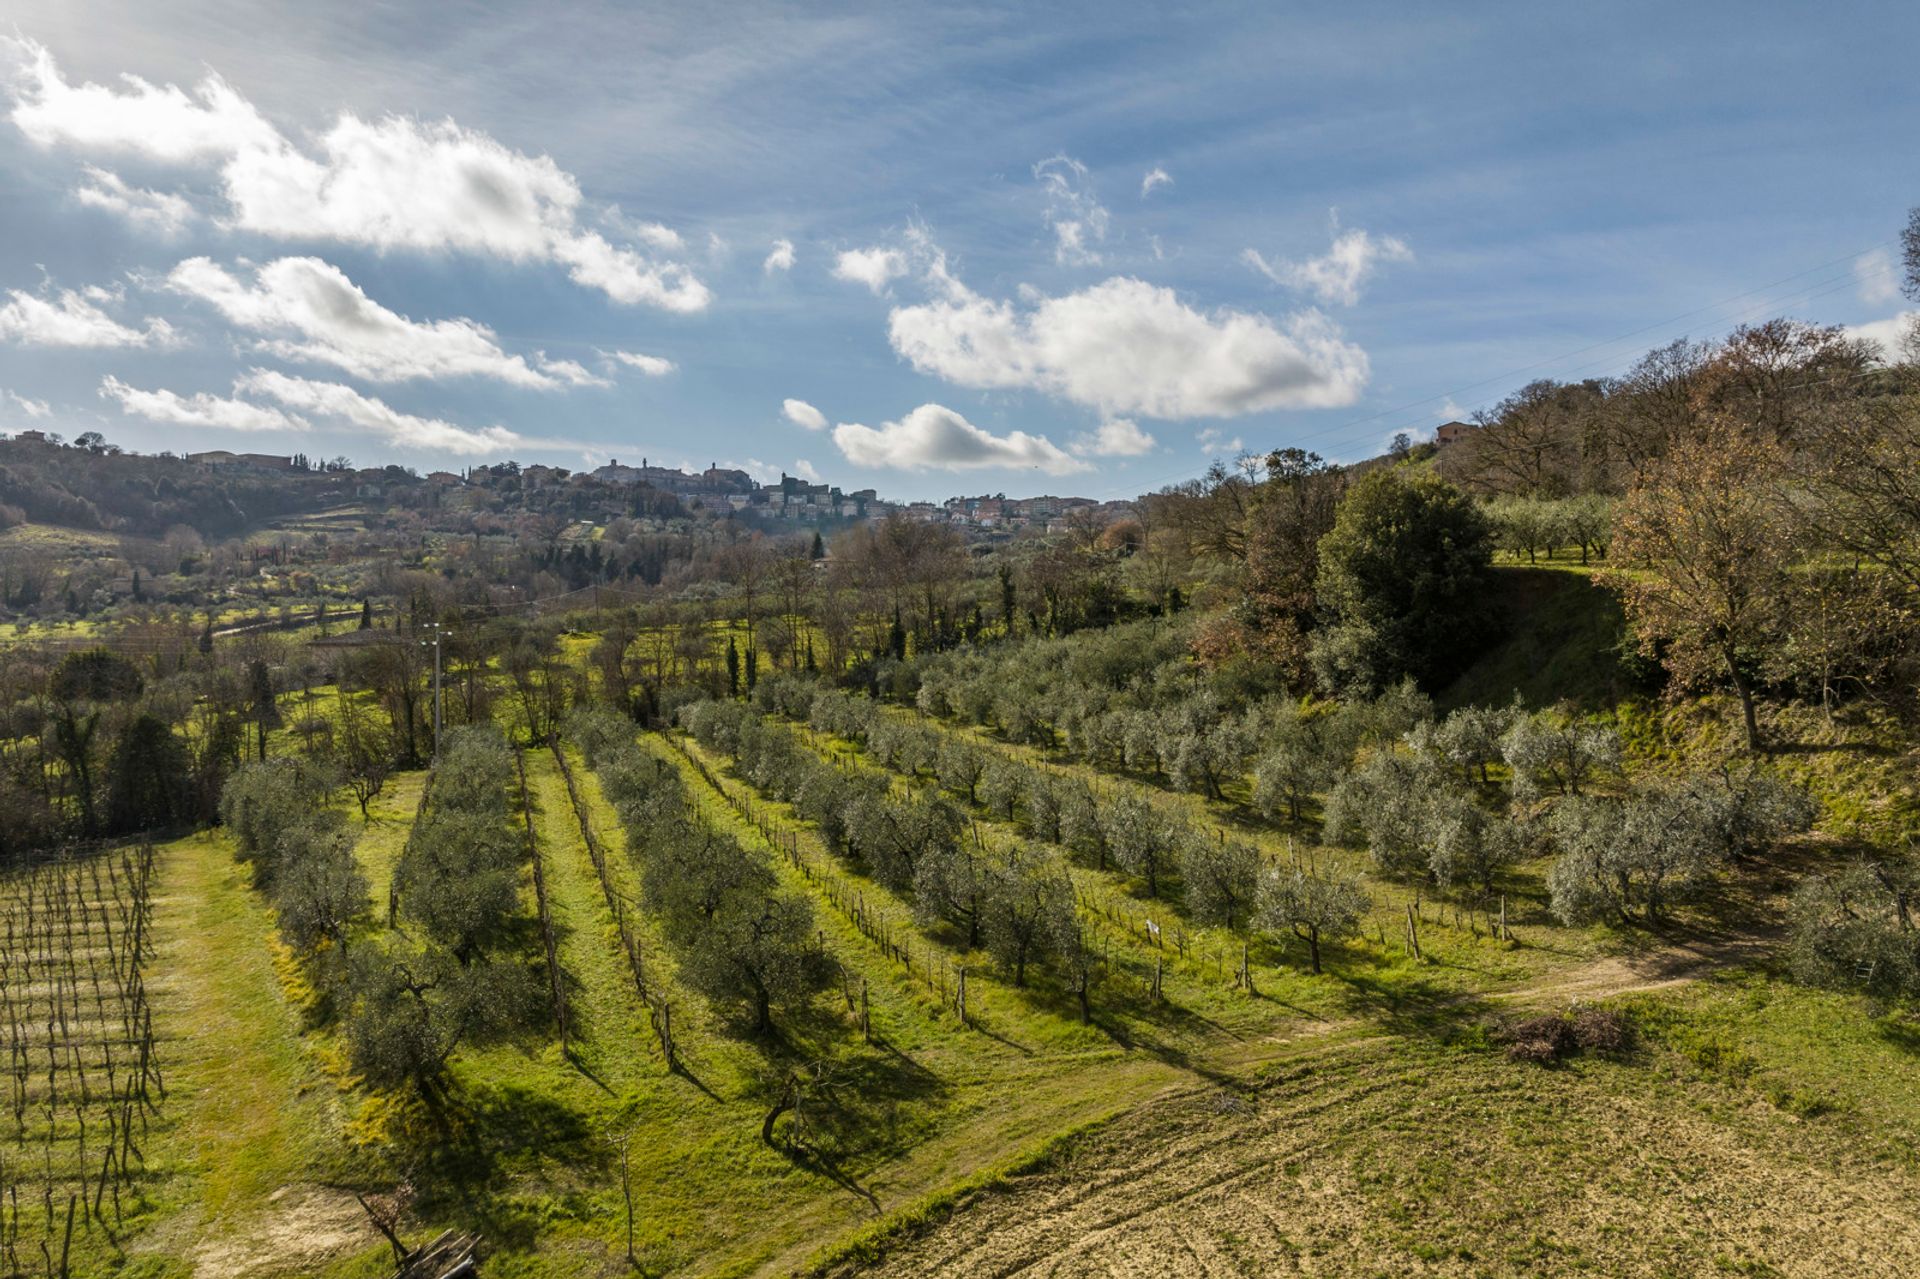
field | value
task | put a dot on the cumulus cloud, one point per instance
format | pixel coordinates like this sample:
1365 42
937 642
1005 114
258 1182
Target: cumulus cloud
338 401
330 320
73 319
933 437
155 211
386 184
1338 274
1077 219
200 409
1126 346
1879 282
32 408
801 413
293 400
1122 437
781 257
874 268
805 470
651 365
1156 177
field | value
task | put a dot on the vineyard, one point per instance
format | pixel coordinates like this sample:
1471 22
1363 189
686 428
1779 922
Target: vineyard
83 1076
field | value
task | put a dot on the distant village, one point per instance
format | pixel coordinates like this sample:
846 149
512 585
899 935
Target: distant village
794 498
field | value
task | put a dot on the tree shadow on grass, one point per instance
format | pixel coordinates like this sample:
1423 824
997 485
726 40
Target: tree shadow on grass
488 1136
1406 1001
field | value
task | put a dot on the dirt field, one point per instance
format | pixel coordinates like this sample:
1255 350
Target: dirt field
1374 1157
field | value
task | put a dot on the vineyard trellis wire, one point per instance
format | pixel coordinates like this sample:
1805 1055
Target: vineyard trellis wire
82 1077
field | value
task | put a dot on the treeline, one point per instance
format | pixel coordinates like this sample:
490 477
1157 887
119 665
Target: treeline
93 745
96 486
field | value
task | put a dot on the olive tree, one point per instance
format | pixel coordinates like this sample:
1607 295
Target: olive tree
1313 906
1221 877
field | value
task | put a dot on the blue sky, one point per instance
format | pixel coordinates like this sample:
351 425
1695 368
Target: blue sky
445 234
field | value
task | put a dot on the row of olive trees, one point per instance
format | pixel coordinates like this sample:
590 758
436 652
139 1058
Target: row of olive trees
1423 802
740 939
1017 902
1222 881
1538 526
457 972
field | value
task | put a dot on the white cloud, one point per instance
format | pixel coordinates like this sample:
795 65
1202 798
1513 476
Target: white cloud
332 321
871 267
1335 276
937 438
1077 219
403 430
392 183
1879 282
1216 441
1122 437
200 409
164 123
663 238
801 413
780 259
32 408
651 365
154 211
1156 177
1898 337
805 470
73 319
1449 411
1126 346
571 372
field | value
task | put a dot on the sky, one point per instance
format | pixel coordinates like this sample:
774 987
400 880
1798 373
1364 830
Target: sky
928 249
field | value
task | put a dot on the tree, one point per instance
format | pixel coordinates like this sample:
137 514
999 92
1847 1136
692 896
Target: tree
459 874
1142 841
1305 751
1705 557
758 948
960 766
147 778
1564 754
1855 928
263 801
366 757
1386 804
1221 878
1027 894
1469 843
1657 846
1404 577
1314 907
263 704
406 1015
321 889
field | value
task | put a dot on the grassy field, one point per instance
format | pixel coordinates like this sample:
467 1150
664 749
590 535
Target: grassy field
1362 1122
